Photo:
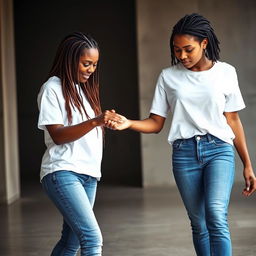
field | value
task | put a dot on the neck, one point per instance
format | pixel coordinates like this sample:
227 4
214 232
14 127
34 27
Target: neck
203 64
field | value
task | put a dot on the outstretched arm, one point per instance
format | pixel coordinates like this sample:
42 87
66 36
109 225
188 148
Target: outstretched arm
61 134
153 124
241 147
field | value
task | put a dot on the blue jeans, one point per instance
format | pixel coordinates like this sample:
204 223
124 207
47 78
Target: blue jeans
204 168
74 195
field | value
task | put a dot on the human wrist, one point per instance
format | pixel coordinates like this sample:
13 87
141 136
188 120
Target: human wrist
95 122
247 164
130 124
248 171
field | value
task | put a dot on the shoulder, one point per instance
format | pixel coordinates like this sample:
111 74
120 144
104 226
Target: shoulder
52 84
50 90
170 73
172 70
224 66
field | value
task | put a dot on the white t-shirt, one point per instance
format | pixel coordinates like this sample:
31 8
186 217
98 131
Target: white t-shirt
198 100
83 155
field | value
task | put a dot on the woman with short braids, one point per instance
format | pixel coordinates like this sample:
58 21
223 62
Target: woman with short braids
204 97
71 118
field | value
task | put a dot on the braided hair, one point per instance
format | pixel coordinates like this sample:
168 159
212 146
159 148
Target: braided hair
65 66
198 26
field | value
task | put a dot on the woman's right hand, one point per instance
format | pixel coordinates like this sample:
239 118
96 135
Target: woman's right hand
153 124
61 134
123 123
106 117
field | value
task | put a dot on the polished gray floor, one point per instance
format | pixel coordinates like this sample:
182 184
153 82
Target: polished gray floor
134 222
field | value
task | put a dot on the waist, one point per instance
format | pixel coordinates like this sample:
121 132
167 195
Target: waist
204 138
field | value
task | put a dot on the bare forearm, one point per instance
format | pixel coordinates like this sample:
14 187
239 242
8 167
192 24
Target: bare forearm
153 124
240 140
241 147
240 143
145 126
66 134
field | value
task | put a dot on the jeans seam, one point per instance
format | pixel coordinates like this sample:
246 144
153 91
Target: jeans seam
76 222
221 144
64 203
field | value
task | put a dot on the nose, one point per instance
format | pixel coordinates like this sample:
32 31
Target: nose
91 69
183 55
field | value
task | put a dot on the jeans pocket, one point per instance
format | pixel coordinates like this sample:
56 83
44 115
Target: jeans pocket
219 142
48 182
177 144
64 178
54 180
86 178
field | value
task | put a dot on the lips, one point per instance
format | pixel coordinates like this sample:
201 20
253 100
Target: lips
85 76
185 63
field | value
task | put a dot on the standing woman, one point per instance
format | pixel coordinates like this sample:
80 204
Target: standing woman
71 117
204 97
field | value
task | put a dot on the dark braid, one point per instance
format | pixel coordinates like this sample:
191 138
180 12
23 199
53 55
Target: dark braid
198 26
65 66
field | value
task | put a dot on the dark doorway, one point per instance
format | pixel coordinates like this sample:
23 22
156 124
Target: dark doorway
39 27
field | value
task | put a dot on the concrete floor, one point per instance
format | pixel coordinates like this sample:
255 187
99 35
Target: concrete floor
134 222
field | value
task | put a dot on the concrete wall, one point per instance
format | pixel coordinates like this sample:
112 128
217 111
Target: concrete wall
234 22
9 160
113 24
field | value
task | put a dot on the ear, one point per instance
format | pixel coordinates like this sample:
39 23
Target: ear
204 43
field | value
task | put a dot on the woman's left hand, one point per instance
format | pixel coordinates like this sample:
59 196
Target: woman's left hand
123 123
250 182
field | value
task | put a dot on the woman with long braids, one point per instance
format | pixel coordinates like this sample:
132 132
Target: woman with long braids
70 116
204 97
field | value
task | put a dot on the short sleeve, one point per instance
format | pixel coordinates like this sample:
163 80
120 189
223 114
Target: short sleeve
49 107
160 105
234 99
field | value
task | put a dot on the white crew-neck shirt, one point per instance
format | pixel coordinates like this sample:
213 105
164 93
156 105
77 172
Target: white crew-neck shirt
81 156
197 100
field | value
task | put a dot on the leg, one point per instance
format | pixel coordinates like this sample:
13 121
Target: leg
68 244
93 244
67 191
219 176
189 178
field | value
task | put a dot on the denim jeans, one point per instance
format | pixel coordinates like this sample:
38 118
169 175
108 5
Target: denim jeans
204 168
74 195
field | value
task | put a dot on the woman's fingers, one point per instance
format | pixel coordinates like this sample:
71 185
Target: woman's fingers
112 116
250 186
110 124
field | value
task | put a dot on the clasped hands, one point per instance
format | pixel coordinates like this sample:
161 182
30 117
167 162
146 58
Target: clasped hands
115 121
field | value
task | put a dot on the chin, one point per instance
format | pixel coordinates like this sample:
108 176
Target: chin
187 66
83 80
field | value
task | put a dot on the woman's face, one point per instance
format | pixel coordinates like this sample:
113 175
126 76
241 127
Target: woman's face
188 50
87 64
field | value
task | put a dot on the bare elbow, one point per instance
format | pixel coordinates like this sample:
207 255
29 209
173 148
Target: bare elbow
232 118
158 122
158 130
55 132
57 142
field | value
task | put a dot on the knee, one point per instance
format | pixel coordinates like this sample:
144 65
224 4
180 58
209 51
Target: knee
92 239
198 225
65 247
216 219
97 237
